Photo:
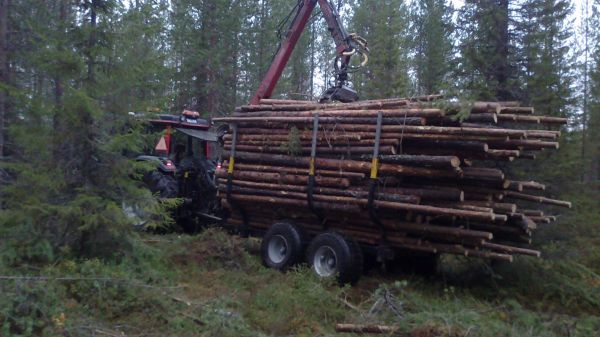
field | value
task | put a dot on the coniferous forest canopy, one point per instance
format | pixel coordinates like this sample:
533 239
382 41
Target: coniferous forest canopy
71 71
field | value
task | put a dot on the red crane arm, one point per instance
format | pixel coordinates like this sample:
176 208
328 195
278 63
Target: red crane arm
306 7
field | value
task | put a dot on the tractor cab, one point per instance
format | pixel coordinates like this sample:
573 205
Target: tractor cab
186 156
184 136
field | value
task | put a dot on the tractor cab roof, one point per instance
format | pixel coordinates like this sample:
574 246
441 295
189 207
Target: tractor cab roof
188 124
181 122
200 134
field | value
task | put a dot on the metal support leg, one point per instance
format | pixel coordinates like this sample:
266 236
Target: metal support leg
311 170
245 228
374 177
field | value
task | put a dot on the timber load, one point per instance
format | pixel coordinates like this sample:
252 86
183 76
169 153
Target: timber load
423 174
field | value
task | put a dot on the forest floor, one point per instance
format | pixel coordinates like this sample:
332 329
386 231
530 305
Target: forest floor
213 284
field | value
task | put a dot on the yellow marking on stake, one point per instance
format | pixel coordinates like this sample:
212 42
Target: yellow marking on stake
311 170
374 168
231 164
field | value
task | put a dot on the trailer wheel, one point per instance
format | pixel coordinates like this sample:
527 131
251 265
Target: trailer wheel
281 246
331 255
358 258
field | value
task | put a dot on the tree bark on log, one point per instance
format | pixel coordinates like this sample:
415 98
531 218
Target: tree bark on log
285 178
539 199
346 165
451 162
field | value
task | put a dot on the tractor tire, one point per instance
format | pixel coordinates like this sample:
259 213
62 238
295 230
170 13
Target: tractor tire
331 255
165 185
282 246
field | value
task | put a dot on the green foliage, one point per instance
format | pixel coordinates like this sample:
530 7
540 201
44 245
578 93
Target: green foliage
73 78
214 284
29 309
222 319
432 30
104 289
387 72
568 285
548 63
484 47
292 306
138 73
459 103
205 40
592 146
293 146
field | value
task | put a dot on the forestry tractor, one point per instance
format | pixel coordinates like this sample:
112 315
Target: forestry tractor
186 157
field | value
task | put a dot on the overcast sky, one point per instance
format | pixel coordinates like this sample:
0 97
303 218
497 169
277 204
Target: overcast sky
578 4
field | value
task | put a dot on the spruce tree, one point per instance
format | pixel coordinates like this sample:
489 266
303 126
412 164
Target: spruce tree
4 79
548 62
487 50
384 24
205 54
69 174
137 77
432 29
593 118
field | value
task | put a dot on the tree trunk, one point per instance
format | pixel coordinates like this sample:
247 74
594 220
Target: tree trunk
3 69
58 87
58 120
585 177
92 41
501 71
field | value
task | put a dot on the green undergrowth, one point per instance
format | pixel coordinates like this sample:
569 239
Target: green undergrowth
213 284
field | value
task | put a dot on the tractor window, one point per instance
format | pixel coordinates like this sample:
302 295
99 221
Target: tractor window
206 150
199 149
179 147
214 151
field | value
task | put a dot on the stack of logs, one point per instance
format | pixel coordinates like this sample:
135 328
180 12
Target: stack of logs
438 187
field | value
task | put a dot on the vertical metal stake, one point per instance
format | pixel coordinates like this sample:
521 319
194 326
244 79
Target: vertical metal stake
246 226
231 160
374 176
311 170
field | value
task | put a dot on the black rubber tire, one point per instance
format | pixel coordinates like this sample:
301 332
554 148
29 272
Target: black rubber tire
348 264
358 259
164 184
292 237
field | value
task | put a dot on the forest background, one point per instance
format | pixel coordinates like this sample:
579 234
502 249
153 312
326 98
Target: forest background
72 70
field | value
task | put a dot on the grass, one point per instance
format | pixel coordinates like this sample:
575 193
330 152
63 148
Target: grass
213 284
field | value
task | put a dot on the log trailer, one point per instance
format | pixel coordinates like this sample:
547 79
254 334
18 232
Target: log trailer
338 184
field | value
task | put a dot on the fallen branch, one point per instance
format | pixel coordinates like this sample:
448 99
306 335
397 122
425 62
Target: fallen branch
356 328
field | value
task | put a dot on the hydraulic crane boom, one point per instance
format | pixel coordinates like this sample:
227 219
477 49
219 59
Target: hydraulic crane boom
346 46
